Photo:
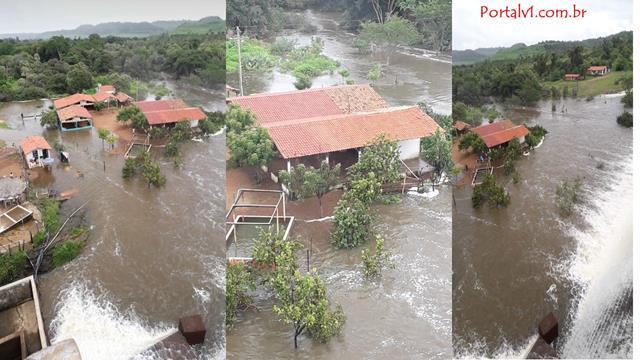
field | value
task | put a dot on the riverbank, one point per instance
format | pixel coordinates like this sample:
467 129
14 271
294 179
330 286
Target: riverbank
592 86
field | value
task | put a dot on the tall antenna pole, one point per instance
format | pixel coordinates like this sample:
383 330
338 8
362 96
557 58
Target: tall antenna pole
239 60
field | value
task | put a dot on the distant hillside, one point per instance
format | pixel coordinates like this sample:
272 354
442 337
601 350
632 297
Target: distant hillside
211 24
131 29
462 57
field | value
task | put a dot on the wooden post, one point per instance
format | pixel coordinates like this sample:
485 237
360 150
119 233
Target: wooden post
239 60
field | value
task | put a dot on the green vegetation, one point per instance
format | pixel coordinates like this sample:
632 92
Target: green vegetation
375 73
436 150
625 119
239 283
352 223
49 119
256 56
386 36
252 147
213 123
207 25
144 165
43 68
568 194
536 133
373 264
12 266
66 251
474 115
528 78
490 191
381 156
305 181
134 115
473 141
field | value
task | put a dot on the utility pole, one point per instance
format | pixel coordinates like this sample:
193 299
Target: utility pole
239 60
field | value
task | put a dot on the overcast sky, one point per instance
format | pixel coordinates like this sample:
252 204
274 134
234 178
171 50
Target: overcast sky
470 31
19 16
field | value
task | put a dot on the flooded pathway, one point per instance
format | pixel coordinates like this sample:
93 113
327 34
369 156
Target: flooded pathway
512 266
153 256
406 313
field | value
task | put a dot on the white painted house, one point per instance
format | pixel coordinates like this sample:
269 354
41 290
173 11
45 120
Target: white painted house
37 151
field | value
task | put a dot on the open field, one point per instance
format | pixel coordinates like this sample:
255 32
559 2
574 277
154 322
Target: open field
593 86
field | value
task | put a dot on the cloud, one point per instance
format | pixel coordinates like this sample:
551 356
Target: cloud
45 15
470 31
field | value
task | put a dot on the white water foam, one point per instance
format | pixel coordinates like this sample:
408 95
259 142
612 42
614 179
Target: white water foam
99 328
602 268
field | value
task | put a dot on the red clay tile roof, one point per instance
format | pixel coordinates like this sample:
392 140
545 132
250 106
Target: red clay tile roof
72 100
300 104
102 96
105 88
31 143
572 75
319 135
122 97
157 105
460 125
500 132
172 116
596 68
71 112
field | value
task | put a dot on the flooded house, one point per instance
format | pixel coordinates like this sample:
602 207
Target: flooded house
499 133
169 112
74 117
84 100
597 70
36 151
335 122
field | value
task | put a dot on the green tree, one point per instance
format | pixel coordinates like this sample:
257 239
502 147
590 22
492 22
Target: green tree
387 37
568 194
381 156
353 219
625 119
152 174
489 190
436 150
103 134
49 119
238 120
239 283
79 78
473 141
252 147
373 264
309 181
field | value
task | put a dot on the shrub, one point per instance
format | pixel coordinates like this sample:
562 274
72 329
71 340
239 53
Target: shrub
373 264
66 252
239 283
12 266
352 225
625 119
568 195
490 191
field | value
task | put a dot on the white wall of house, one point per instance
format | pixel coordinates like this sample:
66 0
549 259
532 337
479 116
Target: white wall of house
38 154
409 149
194 123
521 139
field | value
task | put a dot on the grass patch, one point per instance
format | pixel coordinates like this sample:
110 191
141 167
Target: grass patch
593 86
256 56
66 252
12 265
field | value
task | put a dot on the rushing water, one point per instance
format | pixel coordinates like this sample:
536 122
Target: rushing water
153 255
514 265
407 312
413 74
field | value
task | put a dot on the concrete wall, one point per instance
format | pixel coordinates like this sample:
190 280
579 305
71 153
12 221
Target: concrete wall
29 156
409 149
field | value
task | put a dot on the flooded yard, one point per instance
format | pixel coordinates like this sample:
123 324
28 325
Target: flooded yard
406 312
153 255
512 266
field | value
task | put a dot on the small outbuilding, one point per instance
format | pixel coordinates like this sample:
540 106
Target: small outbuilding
597 70
84 100
571 77
109 89
501 132
461 127
170 112
37 151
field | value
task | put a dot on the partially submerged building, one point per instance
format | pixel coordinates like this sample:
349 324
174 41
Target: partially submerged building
84 100
327 121
499 133
170 112
74 117
37 151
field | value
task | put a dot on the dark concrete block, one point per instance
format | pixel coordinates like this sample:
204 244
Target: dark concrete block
542 350
548 328
193 330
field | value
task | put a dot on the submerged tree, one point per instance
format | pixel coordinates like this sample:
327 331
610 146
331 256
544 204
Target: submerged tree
239 283
436 150
49 119
251 147
373 264
381 157
388 36
568 195
352 224
489 190
308 181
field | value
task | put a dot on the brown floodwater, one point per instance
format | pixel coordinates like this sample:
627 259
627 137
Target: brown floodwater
512 266
153 255
407 312
413 74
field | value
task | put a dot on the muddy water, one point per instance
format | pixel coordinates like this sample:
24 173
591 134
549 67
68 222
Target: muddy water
413 74
153 255
407 312
514 265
